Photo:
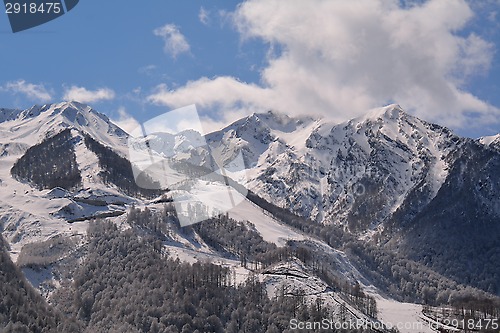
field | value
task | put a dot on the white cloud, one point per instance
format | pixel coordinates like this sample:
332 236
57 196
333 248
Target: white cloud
341 58
36 92
125 121
82 95
204 16
221 91
175 42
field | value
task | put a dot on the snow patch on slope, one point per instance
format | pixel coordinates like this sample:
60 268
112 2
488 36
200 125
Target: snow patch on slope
270 229
488 140
407 317
214 196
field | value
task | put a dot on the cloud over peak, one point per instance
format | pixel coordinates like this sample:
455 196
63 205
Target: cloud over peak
341 58
83 95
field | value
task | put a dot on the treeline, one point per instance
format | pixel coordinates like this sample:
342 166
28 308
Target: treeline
51 163
230 238
333 235
117 170
127 285
466 309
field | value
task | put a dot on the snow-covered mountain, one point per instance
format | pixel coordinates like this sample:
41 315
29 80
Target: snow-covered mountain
388 178
381 177
32 125
357 174
376 171
51 173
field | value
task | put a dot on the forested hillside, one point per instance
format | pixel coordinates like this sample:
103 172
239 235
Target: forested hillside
457 233
49 164
127 284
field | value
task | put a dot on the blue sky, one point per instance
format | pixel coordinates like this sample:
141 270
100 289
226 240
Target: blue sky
135 60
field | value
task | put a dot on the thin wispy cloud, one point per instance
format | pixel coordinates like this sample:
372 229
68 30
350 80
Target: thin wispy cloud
204 16
344 57
492 17
83 95
34 92
148 70
174 41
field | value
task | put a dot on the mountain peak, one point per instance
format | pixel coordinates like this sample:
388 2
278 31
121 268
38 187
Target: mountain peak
72 110
389 112
73 105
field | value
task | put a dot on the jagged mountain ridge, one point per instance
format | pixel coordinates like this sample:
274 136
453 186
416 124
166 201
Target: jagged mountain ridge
33 125
359 174
330 172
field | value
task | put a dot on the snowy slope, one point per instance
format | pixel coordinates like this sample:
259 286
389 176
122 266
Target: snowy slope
488 140
271 230
213 196
405 316
26 212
